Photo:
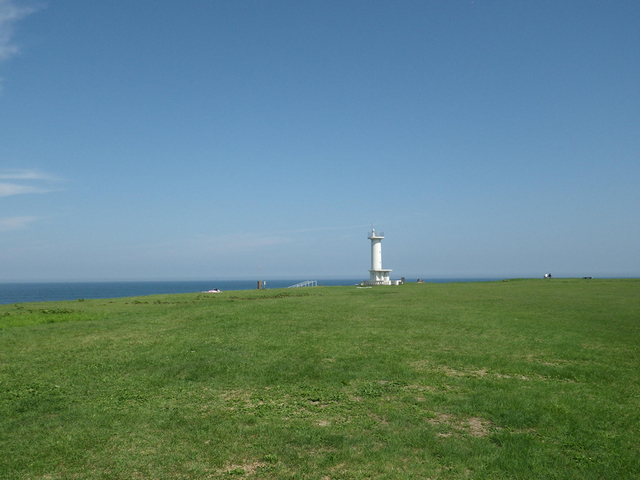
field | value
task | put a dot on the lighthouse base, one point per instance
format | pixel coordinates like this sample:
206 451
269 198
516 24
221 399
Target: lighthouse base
378 277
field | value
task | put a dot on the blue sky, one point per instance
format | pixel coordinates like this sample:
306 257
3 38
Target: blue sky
211 139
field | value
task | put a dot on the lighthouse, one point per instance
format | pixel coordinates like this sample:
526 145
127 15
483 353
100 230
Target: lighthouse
377 275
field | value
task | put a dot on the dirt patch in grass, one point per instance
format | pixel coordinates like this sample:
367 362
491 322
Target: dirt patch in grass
452 372
479 427
244 469
455 426
239 399
485 373
423 365
420 388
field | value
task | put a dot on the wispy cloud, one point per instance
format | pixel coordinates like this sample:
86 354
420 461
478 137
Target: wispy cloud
26 174
8 189
10 13
15 223
24 181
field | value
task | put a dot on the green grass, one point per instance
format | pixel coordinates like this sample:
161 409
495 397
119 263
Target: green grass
519 379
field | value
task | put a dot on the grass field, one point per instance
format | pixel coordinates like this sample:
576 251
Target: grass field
519 379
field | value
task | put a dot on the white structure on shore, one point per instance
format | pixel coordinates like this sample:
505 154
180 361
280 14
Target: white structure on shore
377 274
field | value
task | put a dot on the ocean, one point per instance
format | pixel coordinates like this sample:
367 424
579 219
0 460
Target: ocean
54 291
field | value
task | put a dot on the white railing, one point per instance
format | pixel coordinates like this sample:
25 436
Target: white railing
308 283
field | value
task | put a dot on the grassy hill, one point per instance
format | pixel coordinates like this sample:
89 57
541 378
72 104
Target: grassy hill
517 379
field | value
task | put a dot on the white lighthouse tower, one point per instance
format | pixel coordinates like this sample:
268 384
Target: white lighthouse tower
377 275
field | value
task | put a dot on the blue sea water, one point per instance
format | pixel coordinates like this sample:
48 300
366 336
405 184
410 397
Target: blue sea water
47 292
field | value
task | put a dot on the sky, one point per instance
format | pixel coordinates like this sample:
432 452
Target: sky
253 139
